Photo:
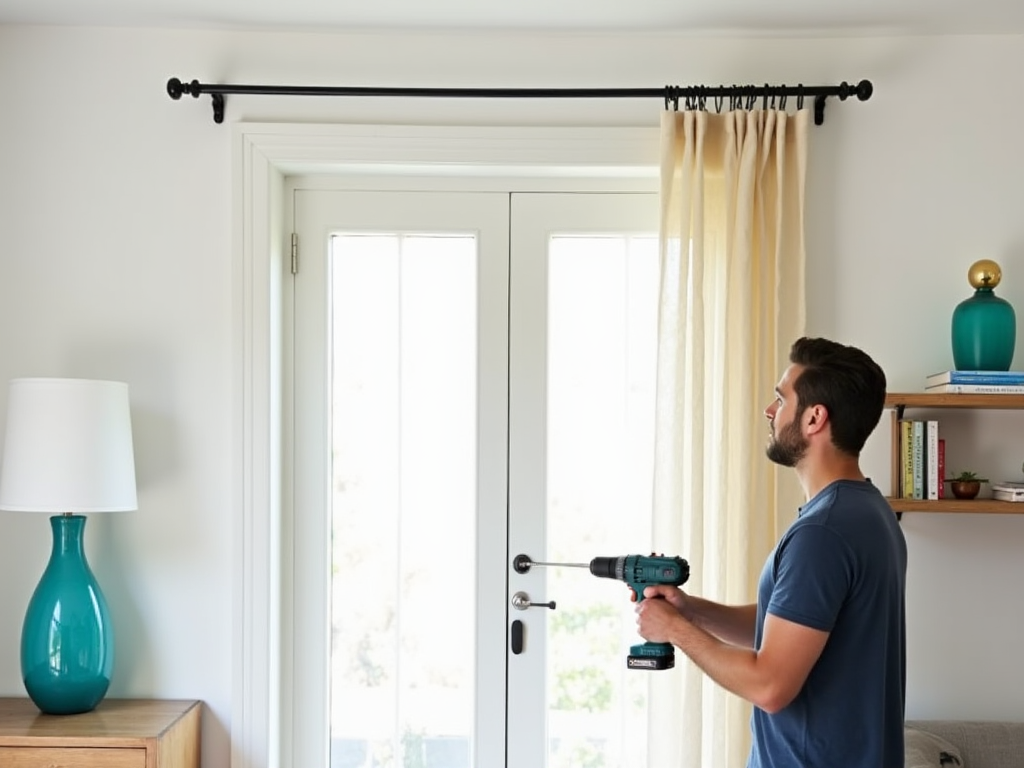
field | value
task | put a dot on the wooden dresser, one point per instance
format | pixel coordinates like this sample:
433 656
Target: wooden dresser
119 733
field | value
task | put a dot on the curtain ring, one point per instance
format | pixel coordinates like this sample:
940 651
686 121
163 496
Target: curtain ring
751 97
672 95
719 99
800 96
774 92
764 99
702 98
782 100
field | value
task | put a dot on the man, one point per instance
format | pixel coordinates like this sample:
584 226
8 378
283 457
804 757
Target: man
822 654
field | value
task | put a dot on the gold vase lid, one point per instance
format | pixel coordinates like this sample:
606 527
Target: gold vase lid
984 273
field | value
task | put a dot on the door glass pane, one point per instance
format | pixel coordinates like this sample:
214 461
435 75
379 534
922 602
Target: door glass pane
403 500
602 314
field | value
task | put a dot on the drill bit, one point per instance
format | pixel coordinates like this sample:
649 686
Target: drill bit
522 564
562 565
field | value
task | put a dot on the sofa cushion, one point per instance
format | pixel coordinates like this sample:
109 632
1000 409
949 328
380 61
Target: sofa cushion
926 750
983 743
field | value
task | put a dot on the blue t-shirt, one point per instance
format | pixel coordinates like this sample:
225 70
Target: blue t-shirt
841 568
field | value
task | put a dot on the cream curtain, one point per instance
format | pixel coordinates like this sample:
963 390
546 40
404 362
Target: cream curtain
732 302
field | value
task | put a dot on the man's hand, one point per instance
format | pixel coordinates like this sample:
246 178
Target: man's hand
660 612
674 595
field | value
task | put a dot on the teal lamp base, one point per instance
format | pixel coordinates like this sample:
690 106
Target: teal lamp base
984 326
67 641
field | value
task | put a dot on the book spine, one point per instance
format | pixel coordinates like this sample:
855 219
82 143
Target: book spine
931 464
918 459
895 438
907 459
978 389
975 377
942 468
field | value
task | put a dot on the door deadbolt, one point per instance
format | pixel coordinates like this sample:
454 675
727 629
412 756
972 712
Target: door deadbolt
521 601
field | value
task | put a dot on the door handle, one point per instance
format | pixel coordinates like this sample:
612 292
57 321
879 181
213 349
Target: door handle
521 601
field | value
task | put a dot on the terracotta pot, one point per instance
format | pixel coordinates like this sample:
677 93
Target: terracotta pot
965 489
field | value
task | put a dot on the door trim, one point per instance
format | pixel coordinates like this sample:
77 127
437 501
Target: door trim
556 159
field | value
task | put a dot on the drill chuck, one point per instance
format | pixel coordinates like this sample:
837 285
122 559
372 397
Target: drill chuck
609 567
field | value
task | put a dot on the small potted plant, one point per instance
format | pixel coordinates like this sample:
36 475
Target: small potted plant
966 485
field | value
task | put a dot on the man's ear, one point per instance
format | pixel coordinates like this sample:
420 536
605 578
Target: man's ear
817 417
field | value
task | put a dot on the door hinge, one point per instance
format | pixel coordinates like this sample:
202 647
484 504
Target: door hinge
295 253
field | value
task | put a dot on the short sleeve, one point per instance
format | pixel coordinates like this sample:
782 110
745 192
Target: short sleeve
814 573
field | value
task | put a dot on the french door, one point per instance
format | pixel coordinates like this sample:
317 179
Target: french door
470 378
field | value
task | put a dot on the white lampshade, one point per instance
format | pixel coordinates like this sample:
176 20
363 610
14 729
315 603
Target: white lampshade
68 447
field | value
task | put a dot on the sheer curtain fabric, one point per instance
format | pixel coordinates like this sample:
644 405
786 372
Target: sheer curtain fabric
731 303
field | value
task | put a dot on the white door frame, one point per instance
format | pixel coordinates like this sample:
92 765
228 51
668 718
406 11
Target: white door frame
263 154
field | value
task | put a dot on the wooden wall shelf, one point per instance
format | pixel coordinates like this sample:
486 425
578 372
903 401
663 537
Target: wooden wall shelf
944 400
899 401
987 506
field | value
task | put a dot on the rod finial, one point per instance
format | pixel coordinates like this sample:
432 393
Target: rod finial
864 90
176 88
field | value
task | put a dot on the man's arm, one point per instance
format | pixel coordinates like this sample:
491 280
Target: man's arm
769 678
732 624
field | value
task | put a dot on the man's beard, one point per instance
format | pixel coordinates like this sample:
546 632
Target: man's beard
788 445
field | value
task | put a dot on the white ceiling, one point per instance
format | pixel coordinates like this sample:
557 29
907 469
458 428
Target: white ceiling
699 17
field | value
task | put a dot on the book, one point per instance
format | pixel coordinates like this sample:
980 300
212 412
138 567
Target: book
974 377
906 459
1007 490
933 480
1011 486
917 459
1008 496
942 467
977 389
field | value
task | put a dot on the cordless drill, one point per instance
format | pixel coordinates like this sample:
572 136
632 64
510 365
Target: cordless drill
640 571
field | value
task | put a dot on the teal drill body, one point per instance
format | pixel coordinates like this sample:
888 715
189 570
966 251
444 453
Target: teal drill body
640 571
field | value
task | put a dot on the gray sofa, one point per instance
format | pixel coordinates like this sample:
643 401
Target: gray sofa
977 744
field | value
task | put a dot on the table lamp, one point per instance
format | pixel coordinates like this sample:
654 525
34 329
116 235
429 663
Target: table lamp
67 451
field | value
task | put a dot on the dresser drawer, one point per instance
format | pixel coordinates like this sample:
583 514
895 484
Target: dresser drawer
64 757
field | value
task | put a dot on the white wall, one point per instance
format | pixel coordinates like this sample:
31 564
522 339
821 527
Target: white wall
116 262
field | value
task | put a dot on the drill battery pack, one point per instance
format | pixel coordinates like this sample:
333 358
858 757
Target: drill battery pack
651 656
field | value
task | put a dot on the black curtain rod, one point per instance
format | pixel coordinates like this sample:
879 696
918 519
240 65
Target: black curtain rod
696 96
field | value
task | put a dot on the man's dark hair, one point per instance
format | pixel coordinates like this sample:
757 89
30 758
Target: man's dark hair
847 382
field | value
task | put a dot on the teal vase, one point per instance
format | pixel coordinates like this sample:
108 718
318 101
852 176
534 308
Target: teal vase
984 327
67 642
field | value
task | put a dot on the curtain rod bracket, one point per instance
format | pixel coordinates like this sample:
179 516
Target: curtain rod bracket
862 91
819 109
176 89
696 95
218 107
